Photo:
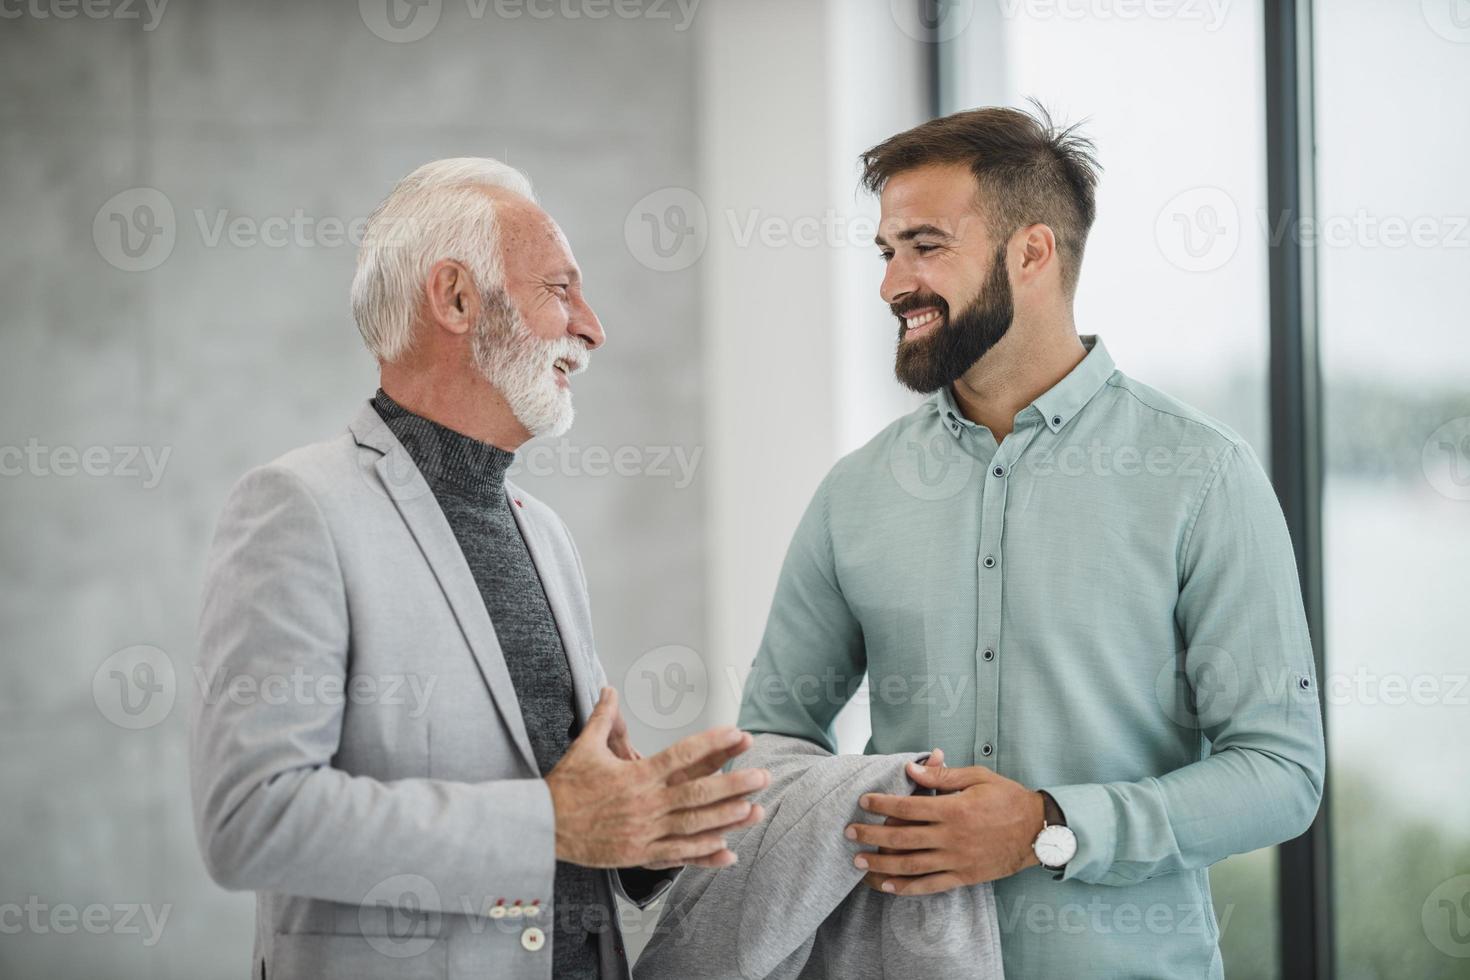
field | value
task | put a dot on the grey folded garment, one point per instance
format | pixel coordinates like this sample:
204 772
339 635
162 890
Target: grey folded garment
795 905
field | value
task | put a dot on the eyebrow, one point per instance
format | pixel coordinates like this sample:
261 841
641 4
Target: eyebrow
909 234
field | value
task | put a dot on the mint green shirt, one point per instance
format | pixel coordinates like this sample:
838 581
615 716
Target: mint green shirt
1105 606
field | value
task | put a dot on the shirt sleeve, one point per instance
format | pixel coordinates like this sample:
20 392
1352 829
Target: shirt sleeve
811 659
1248 664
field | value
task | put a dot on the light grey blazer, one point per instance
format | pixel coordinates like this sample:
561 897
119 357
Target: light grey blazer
795 906
358 756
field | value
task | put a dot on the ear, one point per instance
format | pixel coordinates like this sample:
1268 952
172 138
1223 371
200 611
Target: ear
452 302
1038 251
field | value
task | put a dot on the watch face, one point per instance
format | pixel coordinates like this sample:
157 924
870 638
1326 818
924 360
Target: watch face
1055 846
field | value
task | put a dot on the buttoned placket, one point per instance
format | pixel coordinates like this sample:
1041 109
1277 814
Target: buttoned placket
991 566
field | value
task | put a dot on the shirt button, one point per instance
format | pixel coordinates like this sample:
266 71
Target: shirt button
1056 420
987 750
989 561
533 939
989 655
999 471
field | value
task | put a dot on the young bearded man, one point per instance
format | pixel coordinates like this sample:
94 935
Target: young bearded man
1077 587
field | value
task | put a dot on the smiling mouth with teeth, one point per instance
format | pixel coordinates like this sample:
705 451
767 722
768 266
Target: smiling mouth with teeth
921 321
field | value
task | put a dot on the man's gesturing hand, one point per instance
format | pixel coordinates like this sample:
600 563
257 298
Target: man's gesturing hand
669 809
980 828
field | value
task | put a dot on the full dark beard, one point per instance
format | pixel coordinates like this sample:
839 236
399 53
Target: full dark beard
933 362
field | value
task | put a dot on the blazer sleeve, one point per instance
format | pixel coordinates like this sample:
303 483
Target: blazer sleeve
271 813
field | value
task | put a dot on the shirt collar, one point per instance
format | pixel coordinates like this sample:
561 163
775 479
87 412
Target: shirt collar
1058 404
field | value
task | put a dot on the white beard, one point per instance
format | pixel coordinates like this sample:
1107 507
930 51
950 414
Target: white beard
519 365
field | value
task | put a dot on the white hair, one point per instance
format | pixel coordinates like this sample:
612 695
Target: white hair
437 212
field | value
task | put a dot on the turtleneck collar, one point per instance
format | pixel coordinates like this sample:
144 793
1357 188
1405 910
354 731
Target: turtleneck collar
443 456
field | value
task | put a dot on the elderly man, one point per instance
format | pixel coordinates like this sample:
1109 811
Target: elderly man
405 745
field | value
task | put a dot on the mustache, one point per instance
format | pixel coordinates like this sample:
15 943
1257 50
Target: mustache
918 302
574 352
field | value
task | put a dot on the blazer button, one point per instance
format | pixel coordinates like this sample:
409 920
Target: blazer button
533 939
532 911
498 912
515 911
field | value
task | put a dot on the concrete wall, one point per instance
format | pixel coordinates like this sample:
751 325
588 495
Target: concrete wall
224 350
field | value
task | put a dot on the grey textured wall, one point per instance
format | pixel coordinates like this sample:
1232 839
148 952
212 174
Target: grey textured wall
219 334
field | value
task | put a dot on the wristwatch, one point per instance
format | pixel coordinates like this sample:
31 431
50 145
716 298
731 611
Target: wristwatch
1056 844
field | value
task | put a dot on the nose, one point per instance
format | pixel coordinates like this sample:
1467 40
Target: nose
586 327
898 281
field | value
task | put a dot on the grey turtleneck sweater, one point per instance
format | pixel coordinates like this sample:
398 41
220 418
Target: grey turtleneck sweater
468 481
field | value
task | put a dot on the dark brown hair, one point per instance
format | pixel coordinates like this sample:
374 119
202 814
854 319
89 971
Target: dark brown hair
1027 170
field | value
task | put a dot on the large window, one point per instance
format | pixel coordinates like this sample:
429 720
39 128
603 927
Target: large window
1393 252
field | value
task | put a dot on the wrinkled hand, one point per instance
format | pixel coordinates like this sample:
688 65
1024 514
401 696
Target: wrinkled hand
980 828
615 809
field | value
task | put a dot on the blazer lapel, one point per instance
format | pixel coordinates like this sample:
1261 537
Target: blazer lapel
415 500
551 572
